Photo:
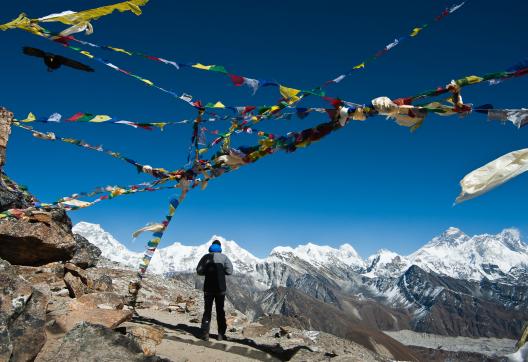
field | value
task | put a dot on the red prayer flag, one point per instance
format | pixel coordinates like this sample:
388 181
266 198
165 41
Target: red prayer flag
236 79
75 117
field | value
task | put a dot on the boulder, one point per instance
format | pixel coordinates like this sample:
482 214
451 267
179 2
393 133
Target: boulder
61 218
50 274
79 273
148 337
178 308
75 285
80 281
86 254
35 243
103 284
255 330
22 316
103 300
89 342
109 318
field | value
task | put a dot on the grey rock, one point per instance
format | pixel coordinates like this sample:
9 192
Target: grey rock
86 254
91 342
103 284
75 285
22 316
103 300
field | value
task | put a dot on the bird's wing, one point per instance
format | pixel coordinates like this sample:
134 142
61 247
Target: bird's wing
34 52
73 63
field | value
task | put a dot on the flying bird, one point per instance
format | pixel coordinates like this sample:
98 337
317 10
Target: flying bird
54 61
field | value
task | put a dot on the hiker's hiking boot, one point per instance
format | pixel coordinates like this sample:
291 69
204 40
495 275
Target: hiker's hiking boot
205 330
221 337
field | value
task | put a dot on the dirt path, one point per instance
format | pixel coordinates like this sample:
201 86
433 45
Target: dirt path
181 342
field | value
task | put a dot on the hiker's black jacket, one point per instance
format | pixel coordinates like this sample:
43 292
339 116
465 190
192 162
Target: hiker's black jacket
215 266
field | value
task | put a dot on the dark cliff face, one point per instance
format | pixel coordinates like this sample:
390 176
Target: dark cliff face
447 306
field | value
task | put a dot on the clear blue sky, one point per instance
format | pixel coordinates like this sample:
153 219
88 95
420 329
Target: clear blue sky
373 184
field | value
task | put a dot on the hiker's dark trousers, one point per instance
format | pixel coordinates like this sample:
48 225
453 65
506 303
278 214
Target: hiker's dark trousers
220 314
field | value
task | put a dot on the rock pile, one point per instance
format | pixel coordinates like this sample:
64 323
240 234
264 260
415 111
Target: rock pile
54 303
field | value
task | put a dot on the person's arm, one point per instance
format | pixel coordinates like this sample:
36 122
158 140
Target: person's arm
228 267
200 269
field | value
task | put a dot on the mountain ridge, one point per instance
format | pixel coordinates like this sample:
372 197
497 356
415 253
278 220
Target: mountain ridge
452 253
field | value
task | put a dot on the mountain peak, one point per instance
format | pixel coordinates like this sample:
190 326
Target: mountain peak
512 238
319 255
468 257
110 247
453 231
347 248
452 236
386 263
87 225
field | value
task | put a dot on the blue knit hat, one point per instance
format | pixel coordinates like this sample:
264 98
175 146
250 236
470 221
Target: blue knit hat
215 247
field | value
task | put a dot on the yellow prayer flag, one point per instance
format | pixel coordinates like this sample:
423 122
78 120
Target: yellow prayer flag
73 18
100 118
147 81
288 92
472 79
30 118
415 31
120 50
359 66
84 52
24 23
201 66
218 105
117 191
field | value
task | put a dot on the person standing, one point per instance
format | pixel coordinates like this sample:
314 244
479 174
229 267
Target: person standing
214 266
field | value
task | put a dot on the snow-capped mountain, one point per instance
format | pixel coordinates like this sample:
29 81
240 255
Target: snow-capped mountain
181 258
386 263
452 253
173 258
110 247
458 255
319 255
